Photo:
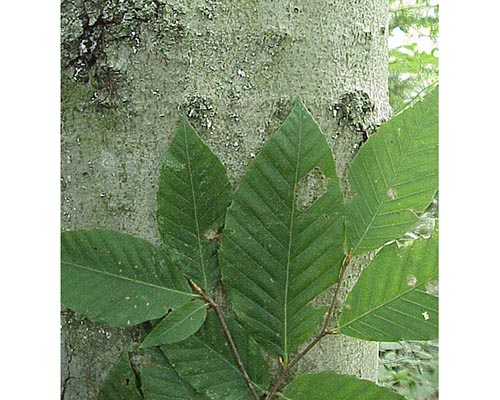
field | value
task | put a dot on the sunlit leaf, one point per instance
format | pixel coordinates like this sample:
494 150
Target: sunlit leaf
411 64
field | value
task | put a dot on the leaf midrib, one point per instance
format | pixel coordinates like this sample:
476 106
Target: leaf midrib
289 250
195 209
125 278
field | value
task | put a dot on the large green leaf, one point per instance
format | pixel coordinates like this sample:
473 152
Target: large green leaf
121 383
283 240
206 362
193 195
390 302
178 325
328 386
161 382
394 175
118 279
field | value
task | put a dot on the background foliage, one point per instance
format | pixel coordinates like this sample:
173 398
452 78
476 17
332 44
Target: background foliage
413 49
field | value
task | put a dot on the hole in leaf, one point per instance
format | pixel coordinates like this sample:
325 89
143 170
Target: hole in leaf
310 188
391 192
211 234
412 280
432 288
174 164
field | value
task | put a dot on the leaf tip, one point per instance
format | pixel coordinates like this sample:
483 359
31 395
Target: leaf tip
298 104
184 122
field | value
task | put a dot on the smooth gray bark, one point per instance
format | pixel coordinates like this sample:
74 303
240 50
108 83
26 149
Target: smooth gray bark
130 68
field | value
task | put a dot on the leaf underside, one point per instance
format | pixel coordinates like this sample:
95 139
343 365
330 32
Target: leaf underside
193 195
205 361
390 302
328 385
283 242
118 279
394 175
120 384
178 325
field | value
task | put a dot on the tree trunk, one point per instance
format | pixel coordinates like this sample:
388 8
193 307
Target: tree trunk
130 68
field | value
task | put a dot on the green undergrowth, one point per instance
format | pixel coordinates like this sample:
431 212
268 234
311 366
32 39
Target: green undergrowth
410 368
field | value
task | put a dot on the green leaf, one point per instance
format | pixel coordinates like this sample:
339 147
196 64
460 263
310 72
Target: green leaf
178 325
206 362
394 175
193 195
412 64
389 302
161 382
118 279
283 239
120 384
328 385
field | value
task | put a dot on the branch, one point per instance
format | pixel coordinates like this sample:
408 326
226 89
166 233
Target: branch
325 331
227 335
329 315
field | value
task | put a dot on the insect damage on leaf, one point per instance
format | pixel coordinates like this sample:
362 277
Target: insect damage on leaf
310 188
212 234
